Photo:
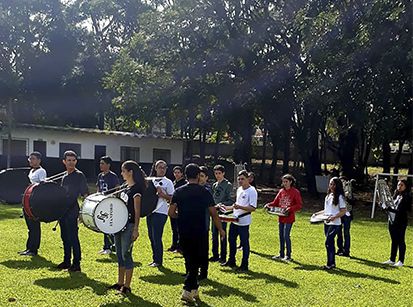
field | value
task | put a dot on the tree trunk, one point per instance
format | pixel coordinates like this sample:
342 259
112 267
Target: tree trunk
386 156
347 148
397 161
286 139
216 147
273 168
202 141
264 152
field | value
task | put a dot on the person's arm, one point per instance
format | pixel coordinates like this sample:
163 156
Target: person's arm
137 208
42 175
84 190
172 211
217 222
168 193
275 202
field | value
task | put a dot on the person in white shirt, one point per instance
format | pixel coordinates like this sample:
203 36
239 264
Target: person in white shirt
335 208
157 219
245 204
36 175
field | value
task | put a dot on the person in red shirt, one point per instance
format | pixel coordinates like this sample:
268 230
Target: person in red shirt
289 199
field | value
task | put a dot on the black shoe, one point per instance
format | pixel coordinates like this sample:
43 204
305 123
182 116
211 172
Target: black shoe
115 287
172 248
74 268
214 259
125 290
346 254
230 264
242 268
63 266
28 253
23 252
329 267
222 261
202 277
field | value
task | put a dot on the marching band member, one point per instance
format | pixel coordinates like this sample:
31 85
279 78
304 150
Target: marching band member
74 181
222 195
343 235
245 204
289 199
135 179
36 175
335 208
193 202
157 219
397 229
107 180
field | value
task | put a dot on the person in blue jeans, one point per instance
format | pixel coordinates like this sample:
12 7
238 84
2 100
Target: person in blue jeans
343 235
157 219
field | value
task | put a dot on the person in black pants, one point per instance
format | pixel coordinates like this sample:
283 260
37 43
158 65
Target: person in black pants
74 181
398 222
179 182
192 202
36 175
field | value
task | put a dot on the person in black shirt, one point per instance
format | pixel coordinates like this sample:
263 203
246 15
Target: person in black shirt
107 180
179 181
191 201
135 179
74 181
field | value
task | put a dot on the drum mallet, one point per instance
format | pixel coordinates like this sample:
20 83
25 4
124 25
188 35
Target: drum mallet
55 226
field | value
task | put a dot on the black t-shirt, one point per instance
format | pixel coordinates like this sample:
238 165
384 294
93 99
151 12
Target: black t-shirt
107 181
192 201
128 196
181 182
75 185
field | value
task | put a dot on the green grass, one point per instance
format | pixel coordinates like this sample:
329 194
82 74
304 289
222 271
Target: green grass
360 281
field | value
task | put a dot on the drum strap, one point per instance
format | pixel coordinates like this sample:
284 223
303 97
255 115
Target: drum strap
244 214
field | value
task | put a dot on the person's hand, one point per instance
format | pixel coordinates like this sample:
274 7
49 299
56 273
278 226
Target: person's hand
222 234
135 234
236 206
266 206
331 218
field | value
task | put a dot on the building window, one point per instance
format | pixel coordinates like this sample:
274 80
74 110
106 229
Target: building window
70 146
129 153
162 154
18 147
40 146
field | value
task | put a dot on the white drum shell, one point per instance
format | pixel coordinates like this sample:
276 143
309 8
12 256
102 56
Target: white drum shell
107 214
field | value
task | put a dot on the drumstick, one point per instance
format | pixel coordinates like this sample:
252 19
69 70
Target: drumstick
55 226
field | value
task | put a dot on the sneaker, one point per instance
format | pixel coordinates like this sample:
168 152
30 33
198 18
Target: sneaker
63 266
28 253
155 265
230 264
340 254
115 287
74 268
398 264
171 249
213 259
222 261
286 258
242 269
277 257
195 294
125 290
187 296
239 247
388 262
105 252
23 252
329 267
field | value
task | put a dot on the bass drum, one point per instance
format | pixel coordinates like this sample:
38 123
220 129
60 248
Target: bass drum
13 182
107 214
149 199
45 201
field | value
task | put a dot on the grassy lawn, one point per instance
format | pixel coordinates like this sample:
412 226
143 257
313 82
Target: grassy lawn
360 281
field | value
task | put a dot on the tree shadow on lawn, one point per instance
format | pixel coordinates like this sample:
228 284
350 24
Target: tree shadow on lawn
221 290
373 264
344 273
269 257
30 263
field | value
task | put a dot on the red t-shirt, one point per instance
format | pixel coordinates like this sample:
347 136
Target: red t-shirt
291 199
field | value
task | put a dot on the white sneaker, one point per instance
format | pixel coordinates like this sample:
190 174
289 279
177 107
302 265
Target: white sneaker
398 264
195 294
105 252
187 296
388 262
277 257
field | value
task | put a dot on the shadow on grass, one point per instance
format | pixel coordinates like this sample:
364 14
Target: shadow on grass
220 290
29 263
373 264
269 257
250 275
345 273
10 212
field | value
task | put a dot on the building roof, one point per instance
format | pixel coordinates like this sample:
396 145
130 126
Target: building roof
96 131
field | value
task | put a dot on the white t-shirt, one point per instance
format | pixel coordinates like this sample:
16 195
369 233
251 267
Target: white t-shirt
37 175
168 187
247 197
330 209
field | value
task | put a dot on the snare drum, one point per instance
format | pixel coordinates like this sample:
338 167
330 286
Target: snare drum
45 201
107 214
228 218
318 218
277 211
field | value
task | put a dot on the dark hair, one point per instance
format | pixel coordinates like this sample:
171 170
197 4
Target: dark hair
243 173
69 153
252 175
179 168
290 178
203 169
153 169
219 167
138 174
36 154
338 191
106 159
192 171
406 191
